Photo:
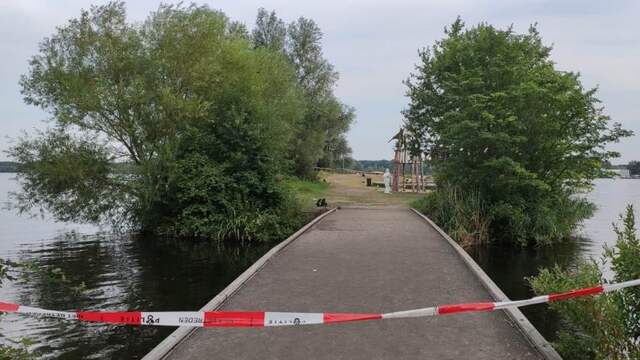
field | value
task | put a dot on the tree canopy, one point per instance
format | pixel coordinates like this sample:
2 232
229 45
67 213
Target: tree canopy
495 116
180 124
321 134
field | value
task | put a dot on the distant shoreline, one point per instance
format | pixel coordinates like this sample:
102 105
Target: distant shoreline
8 167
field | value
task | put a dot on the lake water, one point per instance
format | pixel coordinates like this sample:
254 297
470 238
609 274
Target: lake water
70 267
509 267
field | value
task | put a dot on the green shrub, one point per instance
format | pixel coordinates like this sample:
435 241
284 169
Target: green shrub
472 220
307 191
495 115
20 352
540 220
606 326
17 350
213 199
462 214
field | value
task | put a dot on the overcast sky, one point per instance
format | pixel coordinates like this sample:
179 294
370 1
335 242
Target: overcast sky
374 47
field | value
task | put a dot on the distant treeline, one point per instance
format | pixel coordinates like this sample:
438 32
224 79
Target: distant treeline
381 165
632 166
8 167
378 165
371 165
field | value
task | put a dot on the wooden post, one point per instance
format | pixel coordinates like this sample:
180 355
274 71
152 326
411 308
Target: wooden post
418 178
424 188
404 179
414 175
396 171
418 166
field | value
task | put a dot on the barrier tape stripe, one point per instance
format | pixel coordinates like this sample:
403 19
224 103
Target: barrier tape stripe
261 318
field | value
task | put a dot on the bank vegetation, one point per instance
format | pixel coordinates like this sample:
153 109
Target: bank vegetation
184 124
513 141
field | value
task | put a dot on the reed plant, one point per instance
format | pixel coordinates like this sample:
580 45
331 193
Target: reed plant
462 214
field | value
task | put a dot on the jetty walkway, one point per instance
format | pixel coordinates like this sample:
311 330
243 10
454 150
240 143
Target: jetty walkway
364 260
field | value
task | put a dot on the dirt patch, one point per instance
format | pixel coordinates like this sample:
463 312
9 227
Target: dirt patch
351 190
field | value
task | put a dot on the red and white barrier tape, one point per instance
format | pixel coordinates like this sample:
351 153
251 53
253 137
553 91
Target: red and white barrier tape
262 318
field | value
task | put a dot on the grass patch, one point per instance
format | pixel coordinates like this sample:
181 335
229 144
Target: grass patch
307 191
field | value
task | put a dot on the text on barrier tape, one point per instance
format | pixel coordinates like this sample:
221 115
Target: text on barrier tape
263 318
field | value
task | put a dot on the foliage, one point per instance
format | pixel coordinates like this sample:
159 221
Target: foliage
20 352
6 269
177 124
493 113
70 175
270 31
347 162
462 214
634 167
375 165
320 136
606 326
7 351
307 191
336 153
381 165
222 201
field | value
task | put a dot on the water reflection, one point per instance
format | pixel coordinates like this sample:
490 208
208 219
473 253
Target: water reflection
509 268
127 273
103 272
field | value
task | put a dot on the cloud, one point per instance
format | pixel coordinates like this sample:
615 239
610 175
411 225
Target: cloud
373 44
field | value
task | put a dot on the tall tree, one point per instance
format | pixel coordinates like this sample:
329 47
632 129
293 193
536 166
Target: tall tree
177 123
270 31
316 75
495 115
326 119
335 150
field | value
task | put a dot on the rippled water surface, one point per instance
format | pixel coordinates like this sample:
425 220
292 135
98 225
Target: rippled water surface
509 267
69 267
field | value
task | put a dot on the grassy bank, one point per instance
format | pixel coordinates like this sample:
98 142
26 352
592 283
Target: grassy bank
345 190
351 190
306 191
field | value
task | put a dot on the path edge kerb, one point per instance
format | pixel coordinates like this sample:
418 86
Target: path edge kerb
172 341
517 317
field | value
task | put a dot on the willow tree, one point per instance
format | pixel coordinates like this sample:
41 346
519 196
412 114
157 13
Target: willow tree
176 123
499 119
320 136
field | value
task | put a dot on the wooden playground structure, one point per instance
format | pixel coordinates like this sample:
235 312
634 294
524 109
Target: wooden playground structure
407 158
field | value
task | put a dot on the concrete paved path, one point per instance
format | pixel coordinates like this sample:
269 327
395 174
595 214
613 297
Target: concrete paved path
364 260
